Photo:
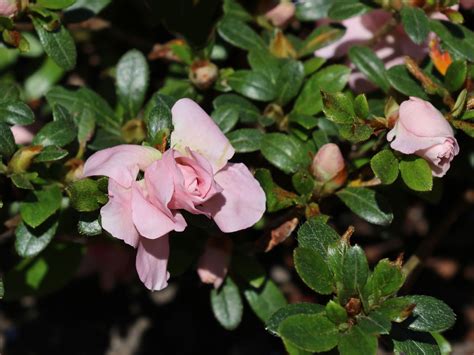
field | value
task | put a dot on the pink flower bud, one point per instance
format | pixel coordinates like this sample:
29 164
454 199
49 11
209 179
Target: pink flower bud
467 4
203 74
23 135
422 130
214 262
328 165
8 8
281 14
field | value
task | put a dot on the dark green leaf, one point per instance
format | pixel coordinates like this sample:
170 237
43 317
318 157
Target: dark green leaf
338 108
289 81
246 140
456 75
31 241
51 153
7 141
414 343
401 80
285 152
248 112
355 271
416 173
385 280
457 39
385 166
370 65
227 305
416 24
367 204
253 85
357 342
343 9
239 34
233 9
16 112
316 235
291 310
430 314
265 301
310 10
374 323
86 195
277 198
59 133
313 270
226 117
40 205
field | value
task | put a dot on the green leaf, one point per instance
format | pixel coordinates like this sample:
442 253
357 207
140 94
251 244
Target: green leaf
375 323
316 235
265 301
456 39
332 78
40 205
246 140
290 310
289 81
335 312
158 118
88 224
313 270
303 182
343 9
31 241
132 81
385 166
261 60
386 279
357 342
9 92
396 309
355 271
444 345
41 81
22 181
413 343
338 108
86 195
277 198
367 204
310 332
58 44
51 153
285 152
430 314
16 112
253 85
370 65
311 10
226 118
55 4
248 112
239 34
416 173
321 37
249 269
233 9
456 75
227 305
401 80
60 132
7 141
335 260
416 24
361 106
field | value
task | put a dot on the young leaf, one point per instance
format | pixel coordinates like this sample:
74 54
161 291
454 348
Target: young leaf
290 310
416 173
367 204
40 205
385 166
385 280
416 24
317 235
355 271
313 270
227 305
335 312
132 81
310 332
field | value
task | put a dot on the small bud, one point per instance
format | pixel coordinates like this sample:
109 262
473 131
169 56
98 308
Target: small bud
328 168
75 169
214 262
203 74
134 131
22 159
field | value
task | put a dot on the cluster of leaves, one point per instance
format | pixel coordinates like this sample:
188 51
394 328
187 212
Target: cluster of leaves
363 305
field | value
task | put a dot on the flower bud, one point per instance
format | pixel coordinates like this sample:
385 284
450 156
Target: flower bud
134 131
281 14
214 262
328 167
203 74
8 8
22 159
75 169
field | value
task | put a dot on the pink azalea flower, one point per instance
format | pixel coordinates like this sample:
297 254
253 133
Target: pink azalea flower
23 135
214 262
422 130
193 175
8 8
281 14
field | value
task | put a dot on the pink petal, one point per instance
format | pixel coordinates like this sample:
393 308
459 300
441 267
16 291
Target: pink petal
194 129
121 163
281 14
116 215
22 134
150 219
408 143
152 262
241 204
440 156
214 262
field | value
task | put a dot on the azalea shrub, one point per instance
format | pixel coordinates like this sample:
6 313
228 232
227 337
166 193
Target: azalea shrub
279 156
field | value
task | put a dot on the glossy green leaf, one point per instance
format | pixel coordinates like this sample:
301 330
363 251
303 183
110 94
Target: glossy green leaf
31 241
285 152
343 9
291 310
227 305
16 112
239 34
226 118
415 23
385 166
313 270
416 173
289 81
253 85
7 141
246 140
40 205
51 153
338 108
316 235
457 39
335 312
88 224
357 342
370 65
430 314
248 112
375 323
456 75
266 300
310 10
402 81
355 271
414 343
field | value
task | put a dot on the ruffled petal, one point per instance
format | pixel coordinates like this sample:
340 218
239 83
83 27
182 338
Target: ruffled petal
152 262
121 163
194 129
116 215
408 143
241 203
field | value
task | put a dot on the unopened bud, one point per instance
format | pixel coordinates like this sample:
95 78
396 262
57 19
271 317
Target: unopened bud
203 74
281 14
214 262
22 159
328 167
134 131
75 168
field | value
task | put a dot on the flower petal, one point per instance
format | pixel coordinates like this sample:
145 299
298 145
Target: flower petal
116 215
408 143
121 163
152 262
150 219
241 203
194 129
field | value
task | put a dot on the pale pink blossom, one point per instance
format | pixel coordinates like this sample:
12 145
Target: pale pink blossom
214 261
328 167
23 135
281 14
194 175
8 8
422 130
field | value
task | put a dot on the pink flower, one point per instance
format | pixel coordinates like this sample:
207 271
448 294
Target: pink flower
467 4
8 8
422 130
281 14
390 49
329 168
23 135
193 175
214 262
